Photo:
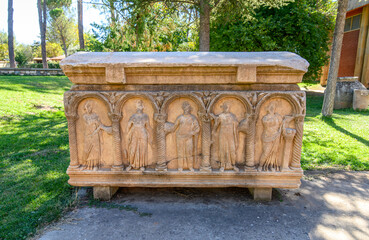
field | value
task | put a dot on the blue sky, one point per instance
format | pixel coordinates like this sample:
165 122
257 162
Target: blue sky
26 28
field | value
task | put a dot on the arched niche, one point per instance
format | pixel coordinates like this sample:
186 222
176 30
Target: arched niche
283 106
174 110
239 109
105 139
128 109
77 98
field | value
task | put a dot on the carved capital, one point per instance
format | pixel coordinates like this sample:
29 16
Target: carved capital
206 97
71 116
299 118
160 117
113 98
160 98
204 117
252 116
69 97
115 117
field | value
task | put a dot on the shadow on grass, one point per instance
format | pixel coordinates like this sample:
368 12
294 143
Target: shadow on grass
313 105
330 122
321 153
40 84
34 157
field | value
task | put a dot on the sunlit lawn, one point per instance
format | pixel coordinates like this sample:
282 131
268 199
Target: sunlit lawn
339 142
34 150
34 154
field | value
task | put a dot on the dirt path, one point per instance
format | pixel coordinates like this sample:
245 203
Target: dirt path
327 206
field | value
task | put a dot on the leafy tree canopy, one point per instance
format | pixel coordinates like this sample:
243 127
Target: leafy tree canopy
303 27
134 26
52 49
52 4
23 54
62 29
3 46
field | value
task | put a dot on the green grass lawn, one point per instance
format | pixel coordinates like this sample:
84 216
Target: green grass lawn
34 152
340 142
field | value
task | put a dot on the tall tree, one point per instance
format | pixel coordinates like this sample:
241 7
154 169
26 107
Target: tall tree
330 91
61 29
138 10
206 7
41 7
113 17
10 34
204 30
80 25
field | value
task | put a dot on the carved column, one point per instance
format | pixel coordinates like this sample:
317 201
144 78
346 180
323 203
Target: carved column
72 120
250 143
297 146
118 163
288 134
161 164
205 142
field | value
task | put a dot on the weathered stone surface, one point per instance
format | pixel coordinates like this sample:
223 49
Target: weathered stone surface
345 92
361 99
126 134
184 67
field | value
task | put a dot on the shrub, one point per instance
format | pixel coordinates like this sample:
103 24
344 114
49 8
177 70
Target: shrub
52 65
303 27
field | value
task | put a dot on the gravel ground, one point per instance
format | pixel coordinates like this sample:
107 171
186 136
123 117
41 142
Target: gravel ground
328 205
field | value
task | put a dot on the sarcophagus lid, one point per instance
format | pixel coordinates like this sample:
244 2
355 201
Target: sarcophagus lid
184 67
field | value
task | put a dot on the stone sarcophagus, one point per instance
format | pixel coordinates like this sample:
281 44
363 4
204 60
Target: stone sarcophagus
185 120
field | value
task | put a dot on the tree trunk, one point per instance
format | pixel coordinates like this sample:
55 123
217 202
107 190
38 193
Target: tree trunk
43 41
42 22
80 25
330 91
204 33
112 13
138 34
10 34
64 46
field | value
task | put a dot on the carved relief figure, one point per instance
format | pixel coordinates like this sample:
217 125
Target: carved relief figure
187 128
226 134
271 138
93 139
139 135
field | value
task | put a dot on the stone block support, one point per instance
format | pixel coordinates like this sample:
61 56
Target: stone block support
261 194
104 193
